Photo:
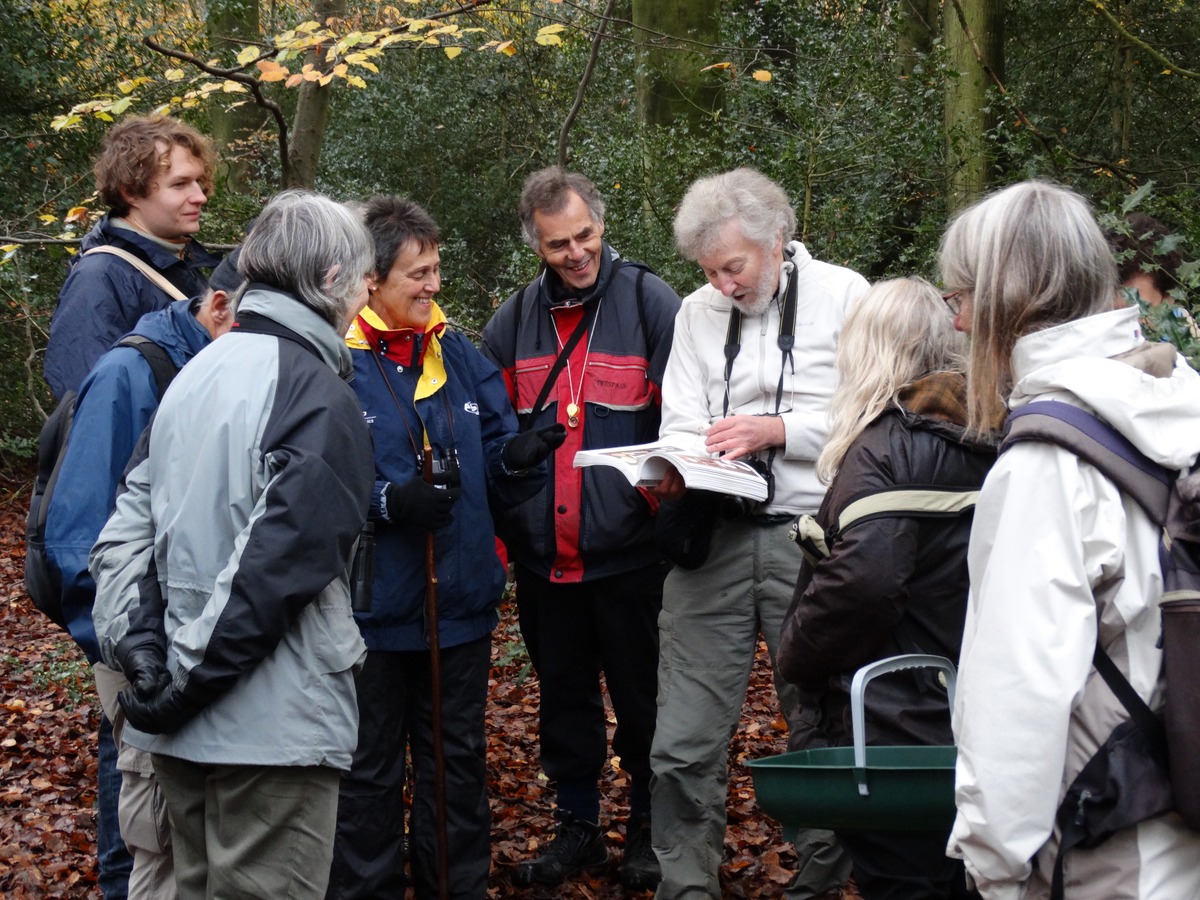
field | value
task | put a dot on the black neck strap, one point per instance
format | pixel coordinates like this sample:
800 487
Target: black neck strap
786 340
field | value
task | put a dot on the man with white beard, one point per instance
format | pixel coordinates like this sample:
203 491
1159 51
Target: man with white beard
750 376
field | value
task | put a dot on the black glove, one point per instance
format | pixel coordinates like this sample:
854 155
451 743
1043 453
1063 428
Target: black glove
164 713
421 504
529 448
145 666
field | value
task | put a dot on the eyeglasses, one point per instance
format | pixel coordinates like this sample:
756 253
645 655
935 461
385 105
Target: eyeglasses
954 300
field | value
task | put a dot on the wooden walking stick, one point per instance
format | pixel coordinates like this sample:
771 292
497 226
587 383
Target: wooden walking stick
435 677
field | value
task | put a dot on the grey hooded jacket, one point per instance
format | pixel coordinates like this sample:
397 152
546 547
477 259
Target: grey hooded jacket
231 537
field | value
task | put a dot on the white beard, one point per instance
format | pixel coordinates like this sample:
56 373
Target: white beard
764 293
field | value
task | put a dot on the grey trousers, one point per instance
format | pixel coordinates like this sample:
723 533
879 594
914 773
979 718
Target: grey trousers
250 832
141 809
708 629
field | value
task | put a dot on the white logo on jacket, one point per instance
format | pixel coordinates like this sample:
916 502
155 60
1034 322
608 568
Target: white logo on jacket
472 407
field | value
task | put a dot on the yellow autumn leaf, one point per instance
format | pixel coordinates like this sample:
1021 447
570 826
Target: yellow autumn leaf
761 75
720 65
9 248
174 74
451 52
58 123
233 87
340 70
1167 72
247 55
47 218
507 48
311 74
293 81
269 70
548 40
77 214
306 27
355 81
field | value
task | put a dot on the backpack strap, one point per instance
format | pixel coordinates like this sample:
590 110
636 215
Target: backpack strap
157 358
160 281
918 501
1149 485
1094 441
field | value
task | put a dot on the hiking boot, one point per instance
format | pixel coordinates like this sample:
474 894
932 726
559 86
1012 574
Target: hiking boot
639 865
577 845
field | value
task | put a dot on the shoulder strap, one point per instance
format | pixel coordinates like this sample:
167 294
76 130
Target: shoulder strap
159 360
909 500
155 276
1094 441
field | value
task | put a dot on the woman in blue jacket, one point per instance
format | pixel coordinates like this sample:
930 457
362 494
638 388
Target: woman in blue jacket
426 393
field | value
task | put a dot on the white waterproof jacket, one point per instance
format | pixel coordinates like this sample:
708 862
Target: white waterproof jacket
1057 553
694 383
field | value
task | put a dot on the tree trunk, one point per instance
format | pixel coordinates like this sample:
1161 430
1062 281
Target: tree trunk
312 111
918 25
974 36
670 85
231 23
1121 93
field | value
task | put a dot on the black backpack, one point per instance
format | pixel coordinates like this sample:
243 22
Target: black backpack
1150 764
42 581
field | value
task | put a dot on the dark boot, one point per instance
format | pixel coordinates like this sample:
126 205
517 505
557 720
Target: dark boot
577 845
639 865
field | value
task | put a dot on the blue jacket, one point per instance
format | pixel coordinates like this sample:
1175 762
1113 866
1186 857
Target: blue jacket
114 404
471 413
104 297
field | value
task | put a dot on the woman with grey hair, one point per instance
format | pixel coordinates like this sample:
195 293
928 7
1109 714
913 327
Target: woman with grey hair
1060 562
222 587
893 583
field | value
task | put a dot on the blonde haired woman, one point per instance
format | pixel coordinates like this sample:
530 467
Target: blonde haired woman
897 583
1059 560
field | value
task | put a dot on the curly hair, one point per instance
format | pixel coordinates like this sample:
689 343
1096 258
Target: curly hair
138 150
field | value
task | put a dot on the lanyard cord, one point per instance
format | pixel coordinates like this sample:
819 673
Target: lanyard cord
400 411
573 395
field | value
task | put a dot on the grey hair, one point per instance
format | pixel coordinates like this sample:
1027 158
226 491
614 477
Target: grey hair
547 191
313 248
1032 256
896 333
758 203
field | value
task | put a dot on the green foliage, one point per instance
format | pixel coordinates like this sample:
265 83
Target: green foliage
1173 320
65 668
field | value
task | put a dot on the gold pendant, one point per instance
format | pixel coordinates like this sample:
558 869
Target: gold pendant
573 415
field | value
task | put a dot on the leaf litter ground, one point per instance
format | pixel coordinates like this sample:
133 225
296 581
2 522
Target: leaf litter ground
48 762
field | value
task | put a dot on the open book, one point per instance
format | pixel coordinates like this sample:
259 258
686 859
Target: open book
644 465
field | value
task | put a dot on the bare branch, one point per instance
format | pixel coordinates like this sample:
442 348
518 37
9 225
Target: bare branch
243 78
1138 42
583 84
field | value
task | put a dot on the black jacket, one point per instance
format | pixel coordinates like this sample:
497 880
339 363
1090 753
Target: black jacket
891 585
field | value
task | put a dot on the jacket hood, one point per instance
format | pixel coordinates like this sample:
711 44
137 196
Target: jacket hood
289 312
938 403
176 330
433 366
105 232
551 284
1149 395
